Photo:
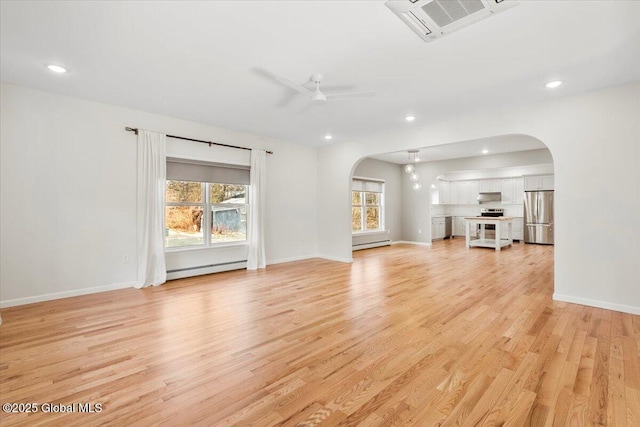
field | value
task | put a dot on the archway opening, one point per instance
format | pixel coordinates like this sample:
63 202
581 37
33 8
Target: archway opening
452 178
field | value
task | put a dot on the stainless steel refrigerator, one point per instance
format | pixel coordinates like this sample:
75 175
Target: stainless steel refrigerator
538 217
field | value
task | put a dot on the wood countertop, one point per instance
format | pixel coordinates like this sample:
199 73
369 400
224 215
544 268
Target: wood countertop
489 218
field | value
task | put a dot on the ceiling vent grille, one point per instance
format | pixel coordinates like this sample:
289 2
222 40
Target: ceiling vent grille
431 19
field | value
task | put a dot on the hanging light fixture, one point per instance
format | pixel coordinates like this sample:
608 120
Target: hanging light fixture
410 168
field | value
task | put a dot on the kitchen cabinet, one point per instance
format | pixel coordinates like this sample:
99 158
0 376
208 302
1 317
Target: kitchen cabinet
507 188
437 228
518 190
463 193
474 190
490 186
445 192
455 193
518 228
458 226
460 194
512 190
538 182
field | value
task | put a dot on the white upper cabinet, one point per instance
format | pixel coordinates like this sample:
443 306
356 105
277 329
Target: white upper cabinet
455 193
466 192
507 190
538 182
445 192
518 190
490 186
474 190
463 193
512 190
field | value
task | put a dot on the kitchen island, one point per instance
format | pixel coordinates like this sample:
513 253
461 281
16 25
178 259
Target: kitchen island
503 225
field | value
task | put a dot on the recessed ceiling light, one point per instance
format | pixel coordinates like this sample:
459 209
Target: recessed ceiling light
410 118
57 68
553 84
328 137
485 151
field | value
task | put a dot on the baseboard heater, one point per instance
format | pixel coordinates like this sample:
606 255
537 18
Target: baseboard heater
179 273
369 245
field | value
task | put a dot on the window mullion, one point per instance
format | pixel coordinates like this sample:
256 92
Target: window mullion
206 220
363 208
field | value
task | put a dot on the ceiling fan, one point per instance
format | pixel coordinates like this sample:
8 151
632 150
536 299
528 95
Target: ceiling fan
316 96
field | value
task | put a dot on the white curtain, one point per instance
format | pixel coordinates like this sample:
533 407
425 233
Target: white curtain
257 258
152 172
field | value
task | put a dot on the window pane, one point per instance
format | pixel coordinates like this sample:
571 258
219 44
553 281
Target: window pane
183 226
373 218
228 193
184 192
372 198
356 198
228 224
356 219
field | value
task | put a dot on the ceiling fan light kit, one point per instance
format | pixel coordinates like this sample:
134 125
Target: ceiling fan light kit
316 96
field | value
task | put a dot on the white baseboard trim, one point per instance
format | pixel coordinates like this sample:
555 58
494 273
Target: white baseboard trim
371 245
410 242
193 272
65 294
597 303
291 259
335 258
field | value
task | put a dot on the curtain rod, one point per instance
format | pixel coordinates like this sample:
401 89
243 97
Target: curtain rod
199 140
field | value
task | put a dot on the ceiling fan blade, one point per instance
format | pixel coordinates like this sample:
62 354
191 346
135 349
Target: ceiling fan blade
282 80
309 106
286 99
295 86
331 88
350 95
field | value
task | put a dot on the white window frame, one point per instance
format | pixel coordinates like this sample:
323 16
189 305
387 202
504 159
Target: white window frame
363 206
207 206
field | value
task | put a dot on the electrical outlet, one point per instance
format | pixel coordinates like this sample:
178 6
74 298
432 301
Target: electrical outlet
419 230
125 259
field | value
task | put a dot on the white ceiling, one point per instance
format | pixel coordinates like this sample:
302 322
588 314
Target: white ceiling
494 145
199 60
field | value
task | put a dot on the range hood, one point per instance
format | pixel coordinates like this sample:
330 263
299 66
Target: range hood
432 19
489 197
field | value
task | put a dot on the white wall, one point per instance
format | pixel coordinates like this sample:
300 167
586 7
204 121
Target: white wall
392 175
68 179
594 141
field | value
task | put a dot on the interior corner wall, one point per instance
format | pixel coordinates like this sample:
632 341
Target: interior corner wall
68 193
593 138
391 173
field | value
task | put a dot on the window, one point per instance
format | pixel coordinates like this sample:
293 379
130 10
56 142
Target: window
366 205
191 205
202 212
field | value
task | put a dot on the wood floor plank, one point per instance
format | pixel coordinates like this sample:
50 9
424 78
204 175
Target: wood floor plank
405 335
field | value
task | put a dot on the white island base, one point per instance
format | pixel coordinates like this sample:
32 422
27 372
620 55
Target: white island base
499 242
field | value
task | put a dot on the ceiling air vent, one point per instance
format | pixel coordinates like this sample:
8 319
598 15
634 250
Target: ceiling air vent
431 19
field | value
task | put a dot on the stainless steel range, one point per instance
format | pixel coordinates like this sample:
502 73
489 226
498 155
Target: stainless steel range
490 229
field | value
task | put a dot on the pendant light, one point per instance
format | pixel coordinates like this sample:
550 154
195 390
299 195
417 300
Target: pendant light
410 168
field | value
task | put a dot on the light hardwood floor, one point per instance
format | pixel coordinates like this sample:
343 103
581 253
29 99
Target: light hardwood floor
406 335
